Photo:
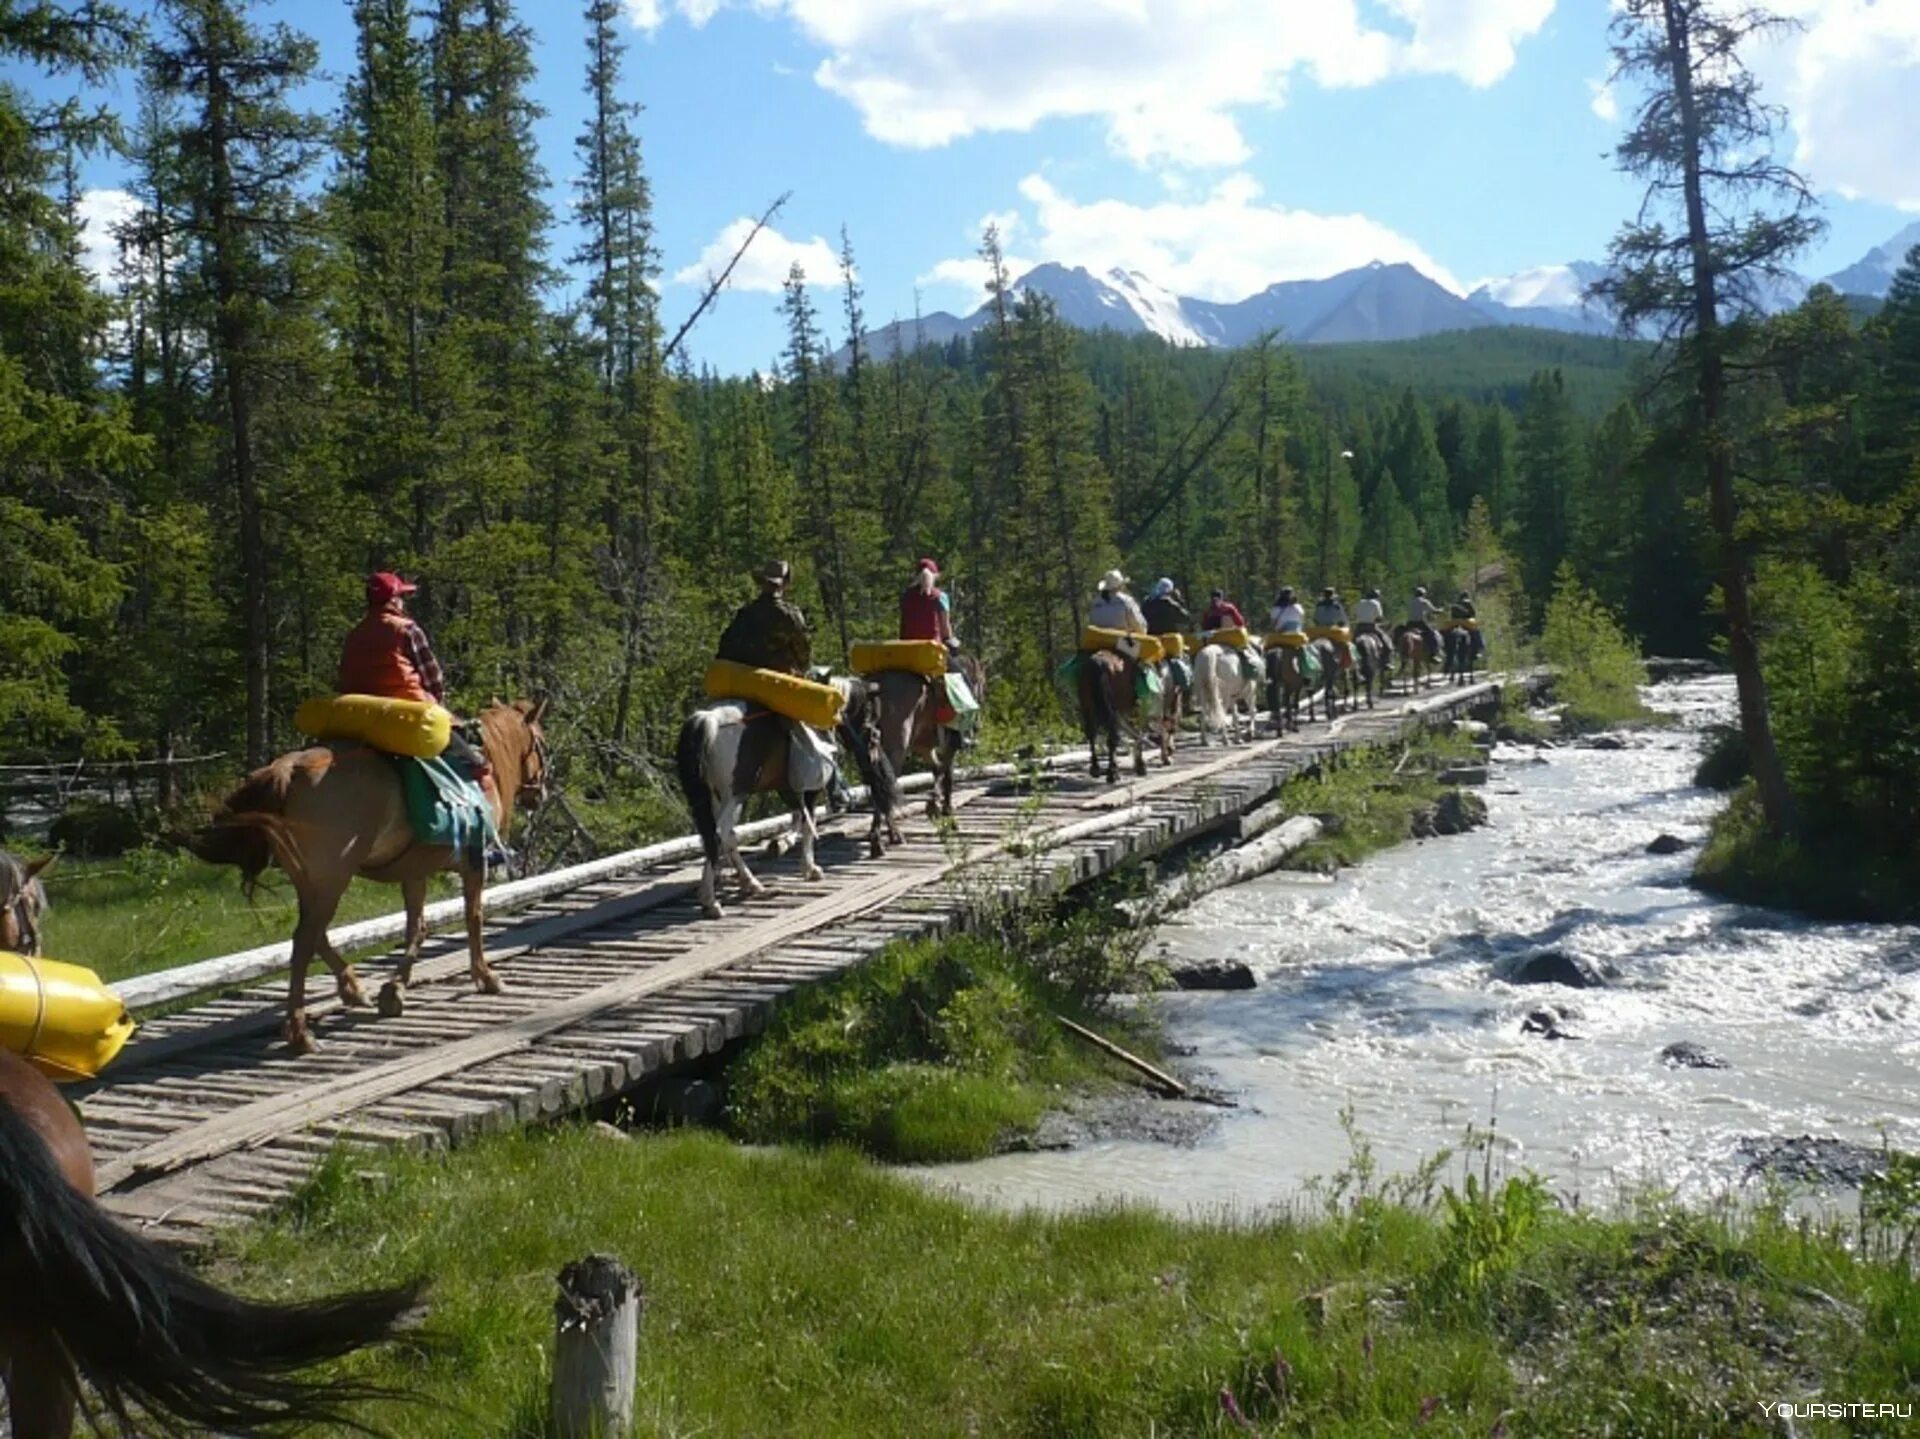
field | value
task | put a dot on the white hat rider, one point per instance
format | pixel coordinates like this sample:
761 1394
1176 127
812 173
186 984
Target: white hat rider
1112 582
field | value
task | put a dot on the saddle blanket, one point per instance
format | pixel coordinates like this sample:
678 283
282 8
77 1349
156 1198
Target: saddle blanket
445 805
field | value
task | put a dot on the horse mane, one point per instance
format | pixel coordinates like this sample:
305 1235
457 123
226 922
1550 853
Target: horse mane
265 790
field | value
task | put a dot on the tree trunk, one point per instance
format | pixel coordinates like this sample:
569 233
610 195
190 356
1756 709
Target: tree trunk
1756 727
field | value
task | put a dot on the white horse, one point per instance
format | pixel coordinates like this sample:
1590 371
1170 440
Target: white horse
729 750
1226 701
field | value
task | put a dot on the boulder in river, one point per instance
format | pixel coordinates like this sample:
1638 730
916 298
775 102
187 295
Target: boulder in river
1667 844
1556 966
1685 1054
1213 974
1604 741
1811 1160
1464 774
1455 812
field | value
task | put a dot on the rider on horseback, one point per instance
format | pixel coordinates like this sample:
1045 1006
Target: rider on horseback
1328 612
1367 617
1420 615
1165 614
1116 609
1287 616
1222 613
926 614
387 654
769 632
1463 608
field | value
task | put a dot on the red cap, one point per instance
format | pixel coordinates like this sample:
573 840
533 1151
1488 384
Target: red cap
927 564
386 585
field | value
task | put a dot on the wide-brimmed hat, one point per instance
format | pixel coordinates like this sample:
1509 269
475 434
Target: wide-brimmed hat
1373 594
1286 594
386 586
1327 593
1419 589
1113 580
774 572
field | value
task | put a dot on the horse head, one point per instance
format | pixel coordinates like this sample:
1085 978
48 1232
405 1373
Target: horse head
517 741
23 901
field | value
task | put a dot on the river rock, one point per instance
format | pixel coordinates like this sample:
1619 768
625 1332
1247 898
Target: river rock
1545 1022
1456 812
688 1101
1667 844
1687 1055
1464 774
1810 1160
1213 974
1556 966
1604 741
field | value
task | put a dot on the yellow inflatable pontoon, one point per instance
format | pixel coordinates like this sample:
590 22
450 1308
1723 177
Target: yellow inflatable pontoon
1287 640
1339 634
1173 646
1450 624
916 657
1233 639
1094 637
59 1017
798 699
405 727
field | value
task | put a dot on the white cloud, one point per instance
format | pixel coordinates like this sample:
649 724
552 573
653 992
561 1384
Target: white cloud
1851 81
1166 76
765 265
1225 245
1605 103
645 14
100 212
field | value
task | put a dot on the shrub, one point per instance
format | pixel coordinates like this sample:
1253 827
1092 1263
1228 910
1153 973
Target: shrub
91 829
1723 759
1597 670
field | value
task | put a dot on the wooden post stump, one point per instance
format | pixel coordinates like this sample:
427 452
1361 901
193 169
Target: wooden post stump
596 1344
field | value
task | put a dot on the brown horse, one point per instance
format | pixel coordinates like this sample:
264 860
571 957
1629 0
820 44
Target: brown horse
1370 657
909 729
23 902
1285 684
83 1300
1416 664
1109 700
327 814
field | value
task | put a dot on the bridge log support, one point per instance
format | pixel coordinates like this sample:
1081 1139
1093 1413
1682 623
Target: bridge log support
596 1349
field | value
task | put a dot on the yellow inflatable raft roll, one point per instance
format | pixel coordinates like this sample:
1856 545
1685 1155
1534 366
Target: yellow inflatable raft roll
1173 646
1287 640
59 1017
1233 639
1339 634
917 657
1094 637
397 726
1453 624
798 699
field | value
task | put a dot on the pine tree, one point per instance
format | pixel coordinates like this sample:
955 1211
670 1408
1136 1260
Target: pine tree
245 150
1550 472
814 426
1414 457
1701 140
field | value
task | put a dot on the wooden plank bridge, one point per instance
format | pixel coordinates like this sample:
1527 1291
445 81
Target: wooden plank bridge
205 1120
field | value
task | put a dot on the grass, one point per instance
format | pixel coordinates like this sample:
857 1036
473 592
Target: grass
939 1050
151 909
1365 805
812 1293
1834 871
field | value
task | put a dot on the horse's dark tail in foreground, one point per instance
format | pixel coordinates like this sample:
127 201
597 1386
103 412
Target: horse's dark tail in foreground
687 757
165 1351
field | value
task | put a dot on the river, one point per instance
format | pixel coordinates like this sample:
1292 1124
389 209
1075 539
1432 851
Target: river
1380 991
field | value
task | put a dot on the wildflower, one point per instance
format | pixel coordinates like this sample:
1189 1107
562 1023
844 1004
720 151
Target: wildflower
1231 1408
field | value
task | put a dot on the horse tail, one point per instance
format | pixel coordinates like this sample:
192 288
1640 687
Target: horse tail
248 830
1213 690
689 758
150 1336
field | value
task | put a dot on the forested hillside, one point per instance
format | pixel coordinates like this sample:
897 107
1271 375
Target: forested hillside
334 346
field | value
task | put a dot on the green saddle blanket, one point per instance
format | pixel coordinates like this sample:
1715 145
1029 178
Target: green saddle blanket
445 806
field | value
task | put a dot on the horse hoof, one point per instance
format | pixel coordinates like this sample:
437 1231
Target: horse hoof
712 911
815 874
875 848
351 994
753 890
299 1041
393 1000
488 983
776 847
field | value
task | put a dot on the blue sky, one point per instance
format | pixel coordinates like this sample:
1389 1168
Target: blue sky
1216 145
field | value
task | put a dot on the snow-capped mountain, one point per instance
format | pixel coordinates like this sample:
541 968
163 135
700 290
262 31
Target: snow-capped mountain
1122 300
1552 287
1872 274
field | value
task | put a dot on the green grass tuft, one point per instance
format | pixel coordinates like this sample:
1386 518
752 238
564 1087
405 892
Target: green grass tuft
1369 801
1833 871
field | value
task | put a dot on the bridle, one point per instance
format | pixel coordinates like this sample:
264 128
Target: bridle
21 910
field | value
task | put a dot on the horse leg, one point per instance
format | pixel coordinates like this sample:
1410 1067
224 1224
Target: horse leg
393 994
709 879
41 1403
309 936
726 818
809 870
473 883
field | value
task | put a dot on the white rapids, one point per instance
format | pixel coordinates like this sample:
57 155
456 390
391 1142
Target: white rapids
1380 991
